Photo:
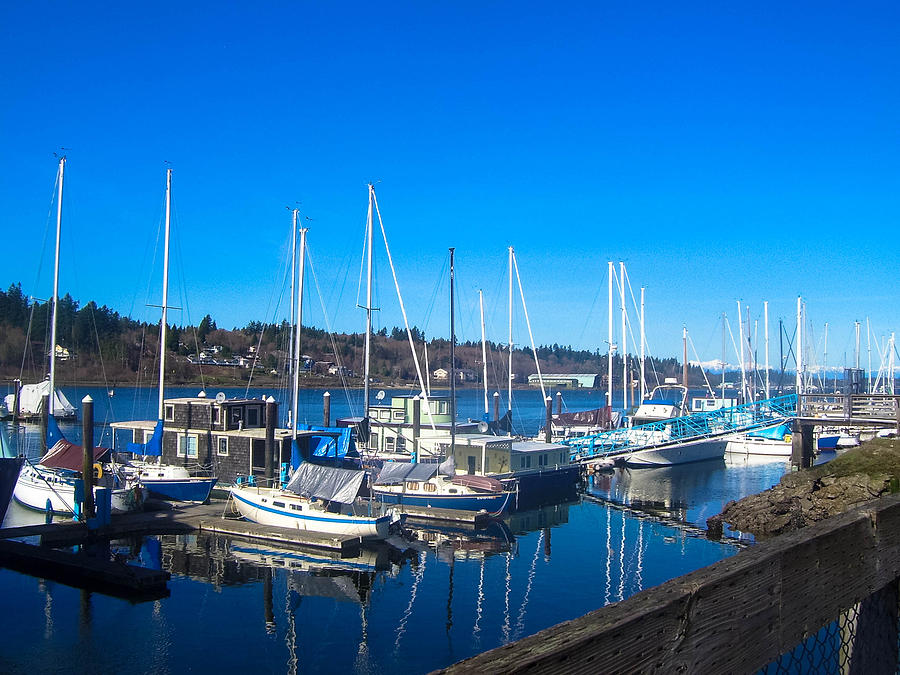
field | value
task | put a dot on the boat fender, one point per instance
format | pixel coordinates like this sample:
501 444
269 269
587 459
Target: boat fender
98 470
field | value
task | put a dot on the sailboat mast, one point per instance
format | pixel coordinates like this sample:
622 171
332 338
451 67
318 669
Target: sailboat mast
766 328
825 362
483 354
724 355
743 368
799 346
684 364
509 384
368 342
857 345
62 170
295 398
292 363
452 357
625 377
643 350
165 298
609 343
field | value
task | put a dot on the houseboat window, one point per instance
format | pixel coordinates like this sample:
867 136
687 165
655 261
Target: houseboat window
222 447
429 487
373 441
187 446
253 416
217 415
399 415
412 485
542 460
528 461
389 442
170 413
148 434
384 414
236 415
401 443
281 504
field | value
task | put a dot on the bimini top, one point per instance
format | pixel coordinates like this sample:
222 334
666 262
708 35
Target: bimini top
326 482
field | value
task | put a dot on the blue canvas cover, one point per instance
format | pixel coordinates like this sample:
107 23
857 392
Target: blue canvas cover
336 442
54 434
153 447
774 433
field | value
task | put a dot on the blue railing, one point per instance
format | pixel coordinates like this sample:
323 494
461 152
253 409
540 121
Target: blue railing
740 418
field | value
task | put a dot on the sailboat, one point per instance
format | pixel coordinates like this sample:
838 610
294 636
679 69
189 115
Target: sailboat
51 482
165 481
317 498
427 485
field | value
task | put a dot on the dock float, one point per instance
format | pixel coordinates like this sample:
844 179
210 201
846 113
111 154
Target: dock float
443 515
343 544
82 571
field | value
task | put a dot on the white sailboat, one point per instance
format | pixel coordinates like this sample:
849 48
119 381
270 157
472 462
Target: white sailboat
165 481
51 482
317 498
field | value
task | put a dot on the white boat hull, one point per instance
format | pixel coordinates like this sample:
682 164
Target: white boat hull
268 506
678 453
35 486
759 446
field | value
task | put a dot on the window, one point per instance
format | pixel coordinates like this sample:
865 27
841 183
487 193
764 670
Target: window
148 434
217 415
542 460
429 487
528 461
401 443
296 507
487 464
222 446
187 446
452 491
170 413
399 415
253 416
373 441
281 504
389 442
412 485
384 414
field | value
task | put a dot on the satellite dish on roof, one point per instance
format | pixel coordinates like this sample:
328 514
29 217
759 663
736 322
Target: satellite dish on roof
220 397
483 427
380 395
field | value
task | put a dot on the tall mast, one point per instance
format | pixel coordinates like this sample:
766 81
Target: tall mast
483 355
609 343
799 345
825 362
165 299
368 308
684 364
295 398
62 169
292 362
857 345
452 358
724 354
766 329
891 365
509 393
643 350
743 368
869 351
624 335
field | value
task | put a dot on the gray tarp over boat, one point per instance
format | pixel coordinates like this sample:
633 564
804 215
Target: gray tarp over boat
325 482
397 472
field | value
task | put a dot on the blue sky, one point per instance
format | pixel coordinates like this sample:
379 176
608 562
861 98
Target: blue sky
723 151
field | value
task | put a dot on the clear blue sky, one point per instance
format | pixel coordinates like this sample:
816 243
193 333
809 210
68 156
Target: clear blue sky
724 151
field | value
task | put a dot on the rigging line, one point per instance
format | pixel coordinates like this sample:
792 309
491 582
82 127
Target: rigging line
403 311
528 323
702 370
179 265
436 289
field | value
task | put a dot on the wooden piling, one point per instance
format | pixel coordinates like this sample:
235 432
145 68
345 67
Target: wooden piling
548 430
801 445
496 406
87 455
271 421
417 426
326 409
559 403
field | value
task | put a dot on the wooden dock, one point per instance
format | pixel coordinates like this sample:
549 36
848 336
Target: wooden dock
423 514
345 545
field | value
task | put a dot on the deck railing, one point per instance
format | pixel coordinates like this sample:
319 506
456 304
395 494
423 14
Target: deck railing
820 600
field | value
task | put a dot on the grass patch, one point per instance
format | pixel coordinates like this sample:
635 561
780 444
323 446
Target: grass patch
878 457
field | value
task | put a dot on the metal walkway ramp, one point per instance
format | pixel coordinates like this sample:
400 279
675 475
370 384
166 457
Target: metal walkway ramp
711 424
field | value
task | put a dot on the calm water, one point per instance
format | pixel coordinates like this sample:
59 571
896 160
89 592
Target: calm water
235 605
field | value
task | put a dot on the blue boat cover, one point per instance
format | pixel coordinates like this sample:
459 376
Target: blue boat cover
773 433
337 441
54 435
153 447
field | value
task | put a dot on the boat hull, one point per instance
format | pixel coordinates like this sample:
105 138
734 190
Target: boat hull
258 505
181 489
9 474
759 446
35 486
492 503
678 453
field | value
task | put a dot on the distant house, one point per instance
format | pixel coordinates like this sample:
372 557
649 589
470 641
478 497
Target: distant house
343 371
441 374
466 375
62 354
566 380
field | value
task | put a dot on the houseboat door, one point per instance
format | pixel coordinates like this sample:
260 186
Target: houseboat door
471 465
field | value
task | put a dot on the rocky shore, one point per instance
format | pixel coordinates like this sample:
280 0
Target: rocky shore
805 497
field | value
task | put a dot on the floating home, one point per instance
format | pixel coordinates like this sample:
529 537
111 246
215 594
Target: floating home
225 437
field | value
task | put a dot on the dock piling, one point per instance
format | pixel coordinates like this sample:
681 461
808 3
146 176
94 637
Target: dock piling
326 409
548 431
271 420
87 462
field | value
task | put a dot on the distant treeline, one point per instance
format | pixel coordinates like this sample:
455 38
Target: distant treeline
101 345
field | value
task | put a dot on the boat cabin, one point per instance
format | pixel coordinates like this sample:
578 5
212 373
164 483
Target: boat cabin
485 455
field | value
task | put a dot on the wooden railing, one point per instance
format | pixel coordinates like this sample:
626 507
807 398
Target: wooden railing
740 614
845 407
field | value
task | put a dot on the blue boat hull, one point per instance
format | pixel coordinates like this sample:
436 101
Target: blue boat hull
9 473
492 503
181 490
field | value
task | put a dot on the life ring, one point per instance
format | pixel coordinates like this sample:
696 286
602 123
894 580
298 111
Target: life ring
98 470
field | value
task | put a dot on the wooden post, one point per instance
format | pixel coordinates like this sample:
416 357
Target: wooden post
496 406
559 403
271 420
548 431
801 445
897 413
326 409
45 412
87 457
417 427
848 406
